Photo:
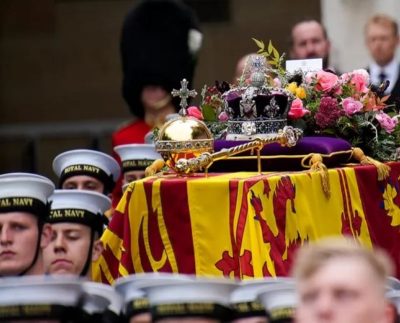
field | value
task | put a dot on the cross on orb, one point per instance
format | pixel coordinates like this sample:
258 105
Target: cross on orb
184 93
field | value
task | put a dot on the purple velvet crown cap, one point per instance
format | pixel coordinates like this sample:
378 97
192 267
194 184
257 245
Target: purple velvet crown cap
262 99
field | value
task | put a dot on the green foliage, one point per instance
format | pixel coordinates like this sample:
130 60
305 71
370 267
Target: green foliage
272 56
209 113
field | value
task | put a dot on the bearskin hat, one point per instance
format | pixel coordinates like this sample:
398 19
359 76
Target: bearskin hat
159 43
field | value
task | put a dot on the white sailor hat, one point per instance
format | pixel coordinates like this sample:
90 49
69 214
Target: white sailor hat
244 298
392 283
25 192
146 280
393 296
40 297
137 156
280 300
135 300
87 162
102 300
79 206
178 295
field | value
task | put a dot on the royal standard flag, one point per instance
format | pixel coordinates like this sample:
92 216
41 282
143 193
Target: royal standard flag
245 225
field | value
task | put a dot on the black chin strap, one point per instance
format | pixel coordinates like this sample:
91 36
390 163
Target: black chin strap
35 258
89 256
97 227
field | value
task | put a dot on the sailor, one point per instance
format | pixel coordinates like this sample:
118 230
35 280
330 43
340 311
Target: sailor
280 302
135 159
41 299
101 304
86 169
23 231
246 307
77 219
185 298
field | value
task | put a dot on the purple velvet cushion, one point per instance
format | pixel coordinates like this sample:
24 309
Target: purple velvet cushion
275 157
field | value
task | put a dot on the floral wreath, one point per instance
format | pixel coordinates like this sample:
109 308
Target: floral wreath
346 106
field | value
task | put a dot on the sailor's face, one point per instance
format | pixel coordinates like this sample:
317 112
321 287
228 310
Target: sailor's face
19 236
83 182
68 249
132 175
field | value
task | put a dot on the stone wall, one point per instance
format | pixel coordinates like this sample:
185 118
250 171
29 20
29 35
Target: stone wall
59 65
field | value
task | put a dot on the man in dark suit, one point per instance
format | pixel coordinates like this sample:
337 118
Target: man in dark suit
382 39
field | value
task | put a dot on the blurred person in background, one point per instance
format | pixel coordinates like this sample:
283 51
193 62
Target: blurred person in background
85 169
382 39
340 281
309 39
159 46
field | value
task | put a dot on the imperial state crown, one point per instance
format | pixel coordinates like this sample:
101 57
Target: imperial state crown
254 108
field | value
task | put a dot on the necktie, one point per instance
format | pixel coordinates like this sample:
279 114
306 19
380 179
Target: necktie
382 77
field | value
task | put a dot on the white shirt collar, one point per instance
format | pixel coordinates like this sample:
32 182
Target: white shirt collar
391 70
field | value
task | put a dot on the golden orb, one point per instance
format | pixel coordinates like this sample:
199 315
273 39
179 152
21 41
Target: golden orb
183 137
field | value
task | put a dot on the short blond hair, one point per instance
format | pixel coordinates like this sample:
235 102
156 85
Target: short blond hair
311 257
383 20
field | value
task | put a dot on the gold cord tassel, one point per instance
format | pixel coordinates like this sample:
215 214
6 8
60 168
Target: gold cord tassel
382 169
154 168
316 165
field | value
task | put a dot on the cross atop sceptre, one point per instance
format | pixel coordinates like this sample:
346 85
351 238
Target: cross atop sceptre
184 93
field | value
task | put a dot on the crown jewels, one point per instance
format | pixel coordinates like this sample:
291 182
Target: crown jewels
183 136
253 108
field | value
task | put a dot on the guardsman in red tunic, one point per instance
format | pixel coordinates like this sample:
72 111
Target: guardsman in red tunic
159 45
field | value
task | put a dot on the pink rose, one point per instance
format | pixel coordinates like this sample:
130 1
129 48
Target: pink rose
277 82
351 106
338 89
386 122
310 77
326 81
195 112
345 77
360 80
223 116
297 110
